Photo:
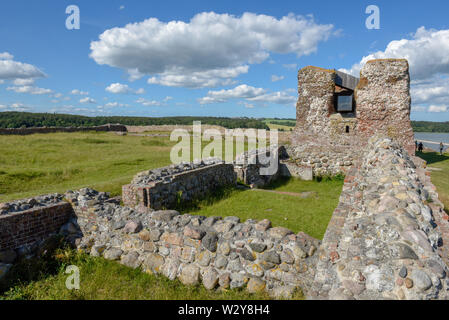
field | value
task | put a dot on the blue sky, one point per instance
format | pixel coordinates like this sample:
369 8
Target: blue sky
217 58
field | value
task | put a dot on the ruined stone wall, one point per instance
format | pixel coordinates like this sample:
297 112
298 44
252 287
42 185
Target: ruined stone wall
162 188
383 101
215 251
24 228
320 140
249 165
26 131
316 88
321 160
383 241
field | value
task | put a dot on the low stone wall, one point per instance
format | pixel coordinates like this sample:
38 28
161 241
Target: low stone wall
383 241
250 165
23 228
164 187
323 161
217 252
26 131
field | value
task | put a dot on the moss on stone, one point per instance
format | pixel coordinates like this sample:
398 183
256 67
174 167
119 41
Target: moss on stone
318 69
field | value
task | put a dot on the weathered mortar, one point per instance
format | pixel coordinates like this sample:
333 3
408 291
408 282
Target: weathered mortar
165 191
382 241
383 101
217 252
27 227
315 104
382 105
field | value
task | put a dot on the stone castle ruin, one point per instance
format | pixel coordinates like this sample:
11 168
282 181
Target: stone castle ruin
388 238
337 113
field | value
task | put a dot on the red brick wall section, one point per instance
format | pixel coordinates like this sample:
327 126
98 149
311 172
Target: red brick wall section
26 227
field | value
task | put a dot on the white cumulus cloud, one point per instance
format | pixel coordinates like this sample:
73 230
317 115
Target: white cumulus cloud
29 90
248 93
87 100
275 78
79 92
119 88
19 107
10 69
208 50
149 103
426 52
434 108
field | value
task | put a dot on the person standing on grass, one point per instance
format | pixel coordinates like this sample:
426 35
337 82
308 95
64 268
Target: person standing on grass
416 145
420 147
441 148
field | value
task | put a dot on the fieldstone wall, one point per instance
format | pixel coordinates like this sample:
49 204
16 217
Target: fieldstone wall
383 241
316 88
250 165
162 188
383 101
321 160
382 105
217 252
26 131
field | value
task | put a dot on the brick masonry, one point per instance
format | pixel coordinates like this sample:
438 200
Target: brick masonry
27 227
184 186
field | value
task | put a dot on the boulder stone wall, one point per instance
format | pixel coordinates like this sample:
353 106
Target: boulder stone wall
384 240
164 188
214 251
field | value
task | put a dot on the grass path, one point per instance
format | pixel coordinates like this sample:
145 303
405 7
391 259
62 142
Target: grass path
440 177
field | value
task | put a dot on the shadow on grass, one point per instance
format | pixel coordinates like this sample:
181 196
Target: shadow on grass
283 181
280 182
40 267
209 199
432 157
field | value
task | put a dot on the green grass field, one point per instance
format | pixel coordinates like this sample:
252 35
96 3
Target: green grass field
271 125
310 214
101 279
46 163
440 176
39 164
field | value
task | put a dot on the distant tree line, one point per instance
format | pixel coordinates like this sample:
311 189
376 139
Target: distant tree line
428 126
28 120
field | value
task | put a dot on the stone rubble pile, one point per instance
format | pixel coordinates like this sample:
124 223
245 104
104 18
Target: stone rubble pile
31 203
382 241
